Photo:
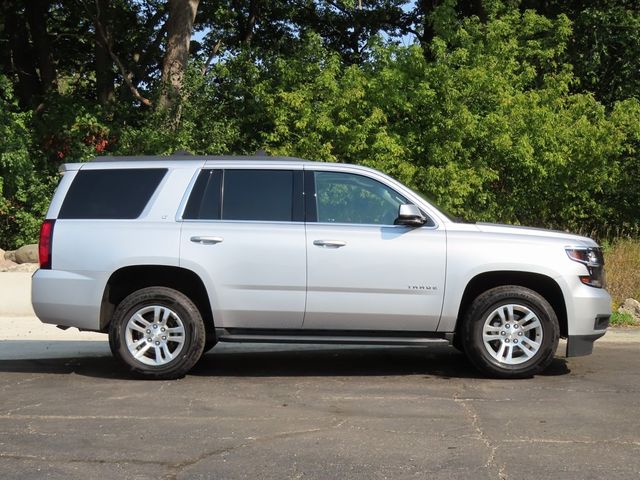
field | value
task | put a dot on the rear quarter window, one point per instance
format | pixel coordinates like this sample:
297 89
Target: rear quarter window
111 194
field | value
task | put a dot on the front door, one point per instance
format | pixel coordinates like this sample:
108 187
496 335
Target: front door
364 272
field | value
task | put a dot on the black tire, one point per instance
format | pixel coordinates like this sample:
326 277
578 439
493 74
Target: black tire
474 322
112 346
188 314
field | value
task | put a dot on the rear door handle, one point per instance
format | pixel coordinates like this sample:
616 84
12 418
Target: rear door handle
207 240
329 243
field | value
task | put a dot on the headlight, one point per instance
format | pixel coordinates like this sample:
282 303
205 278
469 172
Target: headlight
593 259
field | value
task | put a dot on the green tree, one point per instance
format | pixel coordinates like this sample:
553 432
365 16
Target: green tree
24 191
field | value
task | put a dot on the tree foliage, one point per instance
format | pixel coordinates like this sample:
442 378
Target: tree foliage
24 188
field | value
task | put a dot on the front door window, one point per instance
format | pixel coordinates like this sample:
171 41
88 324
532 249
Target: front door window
350 198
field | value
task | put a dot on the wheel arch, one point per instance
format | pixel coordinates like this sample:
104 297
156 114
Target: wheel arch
126 280
542 284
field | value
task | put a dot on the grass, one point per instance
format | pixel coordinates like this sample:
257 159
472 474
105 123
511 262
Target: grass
622 265
622 320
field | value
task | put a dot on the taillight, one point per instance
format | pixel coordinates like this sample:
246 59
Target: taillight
44 246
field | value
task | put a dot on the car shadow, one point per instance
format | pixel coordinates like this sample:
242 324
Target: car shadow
345 361
287 361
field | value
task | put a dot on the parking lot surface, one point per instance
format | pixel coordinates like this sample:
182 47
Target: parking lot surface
68 410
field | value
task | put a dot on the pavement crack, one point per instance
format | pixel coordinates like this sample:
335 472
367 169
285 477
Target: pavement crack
472 415
95 461
27 380
10 412
613 441
16 456
180 418
179 466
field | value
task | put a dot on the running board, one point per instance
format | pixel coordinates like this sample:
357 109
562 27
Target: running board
328 337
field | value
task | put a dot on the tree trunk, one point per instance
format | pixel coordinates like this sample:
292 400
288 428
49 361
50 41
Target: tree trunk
104 64
427 7
246 23
37 12
182 14
21 57
473 7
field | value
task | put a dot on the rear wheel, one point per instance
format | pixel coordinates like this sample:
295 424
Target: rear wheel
510 332
158 333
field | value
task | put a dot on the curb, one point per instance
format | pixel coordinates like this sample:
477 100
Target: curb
620 335
15 294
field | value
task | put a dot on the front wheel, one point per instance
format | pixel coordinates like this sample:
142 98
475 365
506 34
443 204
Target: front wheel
158 333
510 332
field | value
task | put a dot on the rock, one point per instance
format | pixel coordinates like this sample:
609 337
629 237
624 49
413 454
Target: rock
23 267
27 254
632 307
10 255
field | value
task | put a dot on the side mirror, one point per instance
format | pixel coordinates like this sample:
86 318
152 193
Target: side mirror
410 215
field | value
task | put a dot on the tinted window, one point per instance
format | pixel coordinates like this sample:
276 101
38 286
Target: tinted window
205 199
350 198
115 194
258 195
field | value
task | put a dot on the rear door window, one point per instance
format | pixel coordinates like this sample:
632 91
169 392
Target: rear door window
247 194
258 195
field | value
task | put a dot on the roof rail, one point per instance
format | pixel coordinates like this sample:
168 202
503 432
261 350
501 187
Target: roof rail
186 156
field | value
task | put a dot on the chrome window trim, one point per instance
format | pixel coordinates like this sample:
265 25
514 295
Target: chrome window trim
376 225
252 222
325 224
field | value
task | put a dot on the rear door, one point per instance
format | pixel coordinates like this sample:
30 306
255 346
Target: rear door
243 232
364 272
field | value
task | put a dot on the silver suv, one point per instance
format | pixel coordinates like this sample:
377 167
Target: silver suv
170 255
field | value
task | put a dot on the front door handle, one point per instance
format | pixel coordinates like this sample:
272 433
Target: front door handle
329 243
207 240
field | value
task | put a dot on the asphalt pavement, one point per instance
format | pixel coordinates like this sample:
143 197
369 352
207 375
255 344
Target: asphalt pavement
68 410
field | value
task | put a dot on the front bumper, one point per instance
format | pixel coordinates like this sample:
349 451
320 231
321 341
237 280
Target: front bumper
581 345
591 328
588 311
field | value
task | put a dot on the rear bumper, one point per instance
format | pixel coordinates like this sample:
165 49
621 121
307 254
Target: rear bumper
67 298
